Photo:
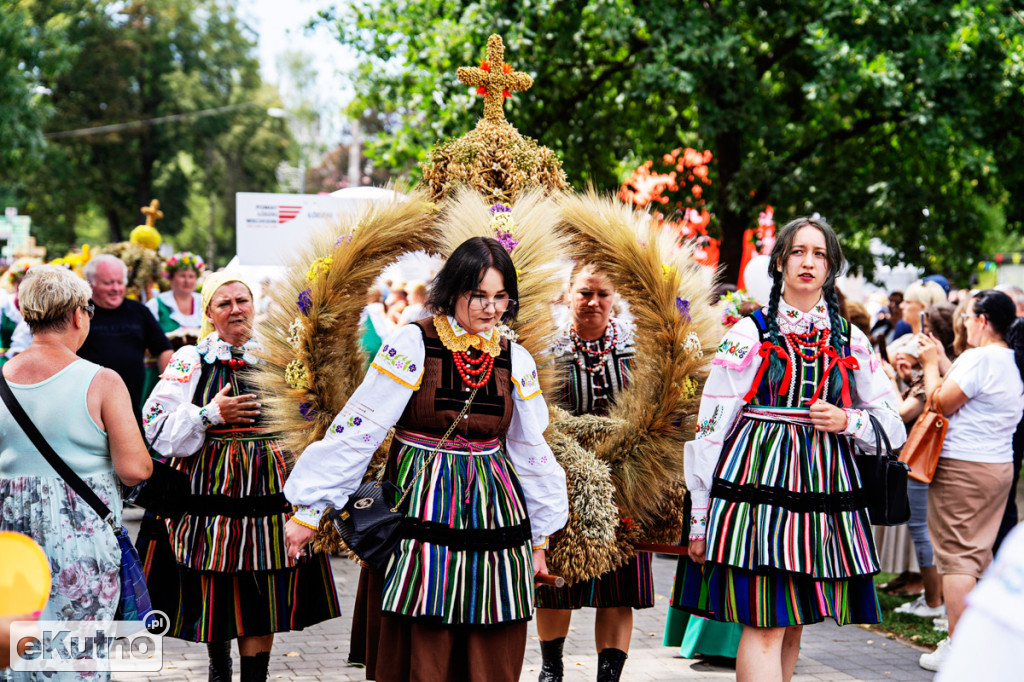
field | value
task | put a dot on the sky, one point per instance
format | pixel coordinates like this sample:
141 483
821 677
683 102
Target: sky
280 26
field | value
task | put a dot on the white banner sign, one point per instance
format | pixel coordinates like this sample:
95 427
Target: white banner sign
270 228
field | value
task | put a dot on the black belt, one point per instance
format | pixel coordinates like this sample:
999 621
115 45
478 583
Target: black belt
238 507
801 503
470 540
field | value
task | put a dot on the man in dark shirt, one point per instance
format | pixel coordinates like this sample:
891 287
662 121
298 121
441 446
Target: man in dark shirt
122 330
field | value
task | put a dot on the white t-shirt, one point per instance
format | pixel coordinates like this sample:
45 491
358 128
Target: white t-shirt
982 430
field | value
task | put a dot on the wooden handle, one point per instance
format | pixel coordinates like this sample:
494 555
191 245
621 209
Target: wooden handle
660 549
553 580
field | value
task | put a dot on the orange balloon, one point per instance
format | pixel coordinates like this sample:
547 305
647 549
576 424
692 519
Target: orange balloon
24 575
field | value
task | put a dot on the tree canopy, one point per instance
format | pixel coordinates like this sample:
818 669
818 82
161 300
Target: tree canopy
139 61
896 119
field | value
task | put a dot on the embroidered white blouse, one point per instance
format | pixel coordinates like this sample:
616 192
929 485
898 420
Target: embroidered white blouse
175 426
733 371
332 468
193 321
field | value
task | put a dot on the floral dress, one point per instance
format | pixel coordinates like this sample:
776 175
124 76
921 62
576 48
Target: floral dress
84 556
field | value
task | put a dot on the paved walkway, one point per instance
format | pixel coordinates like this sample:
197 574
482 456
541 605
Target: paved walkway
320 653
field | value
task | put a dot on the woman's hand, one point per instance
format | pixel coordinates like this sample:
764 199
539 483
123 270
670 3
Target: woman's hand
695 549
239 409
540 563
928 352
827 417
296 537
904 367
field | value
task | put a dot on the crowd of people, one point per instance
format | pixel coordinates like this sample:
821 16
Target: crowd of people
778 531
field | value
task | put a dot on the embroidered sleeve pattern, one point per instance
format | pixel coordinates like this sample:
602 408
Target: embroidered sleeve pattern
180 368
153 410
524 373
308 516
739 347
398 358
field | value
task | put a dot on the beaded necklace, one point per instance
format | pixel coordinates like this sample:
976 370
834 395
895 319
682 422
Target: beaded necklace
815 347
581 351
471 368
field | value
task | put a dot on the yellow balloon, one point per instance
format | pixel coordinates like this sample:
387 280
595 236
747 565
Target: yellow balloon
24 575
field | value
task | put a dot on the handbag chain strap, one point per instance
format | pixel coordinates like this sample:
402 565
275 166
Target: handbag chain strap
430 457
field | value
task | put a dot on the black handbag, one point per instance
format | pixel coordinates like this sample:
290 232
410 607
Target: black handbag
370 523
883 478
166 493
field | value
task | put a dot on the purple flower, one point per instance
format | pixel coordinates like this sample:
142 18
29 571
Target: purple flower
343 239
73 582
412 368
305 301
307 411
357 420
507 241
683 307
339 429
500 208
392 352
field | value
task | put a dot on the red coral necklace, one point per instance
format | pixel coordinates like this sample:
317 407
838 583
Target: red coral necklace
470 368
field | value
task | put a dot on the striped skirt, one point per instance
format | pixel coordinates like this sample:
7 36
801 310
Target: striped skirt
465 556
788 537
236 518
631 585
220 571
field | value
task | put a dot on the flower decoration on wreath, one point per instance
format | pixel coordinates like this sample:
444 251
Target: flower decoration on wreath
184 260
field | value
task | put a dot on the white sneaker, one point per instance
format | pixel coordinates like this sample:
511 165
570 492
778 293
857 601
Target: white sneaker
919 607
935 660
941 624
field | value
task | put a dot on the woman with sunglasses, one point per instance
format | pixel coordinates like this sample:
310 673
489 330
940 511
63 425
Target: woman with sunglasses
983 396
458 591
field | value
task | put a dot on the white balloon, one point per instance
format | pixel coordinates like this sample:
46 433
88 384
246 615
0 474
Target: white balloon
756 279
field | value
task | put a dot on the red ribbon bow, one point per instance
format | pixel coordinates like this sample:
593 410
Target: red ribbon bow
844 365
765 352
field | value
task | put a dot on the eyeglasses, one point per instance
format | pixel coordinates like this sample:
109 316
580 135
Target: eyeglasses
90 309
478 303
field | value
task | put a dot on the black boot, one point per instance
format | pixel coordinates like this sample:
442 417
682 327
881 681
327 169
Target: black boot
609 664
254 668
220 661
551 652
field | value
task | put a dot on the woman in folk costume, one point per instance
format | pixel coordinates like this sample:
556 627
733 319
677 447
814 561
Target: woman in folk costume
234 578
595 355
459 589
179 308
779 532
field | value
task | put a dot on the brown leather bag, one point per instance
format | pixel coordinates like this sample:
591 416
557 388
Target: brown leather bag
924 442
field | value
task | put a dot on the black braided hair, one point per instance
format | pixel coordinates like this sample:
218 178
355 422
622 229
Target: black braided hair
835 321
776 367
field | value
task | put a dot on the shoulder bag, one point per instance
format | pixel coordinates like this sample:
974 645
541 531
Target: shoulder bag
924 442
167 492
134 603
370 524
884 480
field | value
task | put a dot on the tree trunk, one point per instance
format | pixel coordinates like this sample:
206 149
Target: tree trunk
730 221
114 222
